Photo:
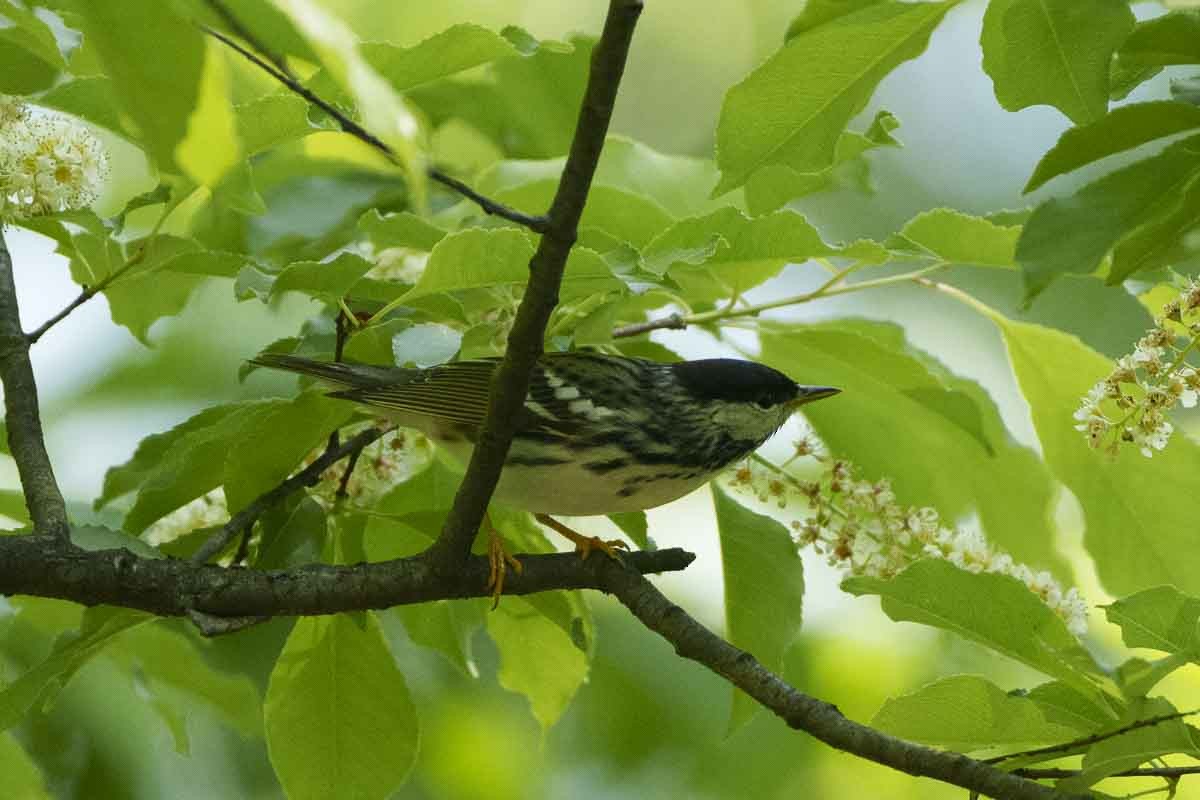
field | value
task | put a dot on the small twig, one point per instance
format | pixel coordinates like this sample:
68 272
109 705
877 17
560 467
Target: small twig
277 68
1054 773
244 520
831 287
342 493
1092 739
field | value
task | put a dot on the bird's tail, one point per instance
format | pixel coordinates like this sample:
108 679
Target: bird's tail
340 375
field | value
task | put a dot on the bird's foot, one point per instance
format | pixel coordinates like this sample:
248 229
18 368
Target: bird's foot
499 560
584 545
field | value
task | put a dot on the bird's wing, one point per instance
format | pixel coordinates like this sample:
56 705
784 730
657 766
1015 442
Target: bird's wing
457 392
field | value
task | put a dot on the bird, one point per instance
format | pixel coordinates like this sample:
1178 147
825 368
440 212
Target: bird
598 433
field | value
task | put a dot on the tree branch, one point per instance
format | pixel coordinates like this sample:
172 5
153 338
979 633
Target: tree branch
244 520
1075 744
1056 773
803 712
511 380
44 566
42 496
276 67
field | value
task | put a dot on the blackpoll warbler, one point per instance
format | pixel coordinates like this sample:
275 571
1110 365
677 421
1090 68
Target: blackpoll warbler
599 434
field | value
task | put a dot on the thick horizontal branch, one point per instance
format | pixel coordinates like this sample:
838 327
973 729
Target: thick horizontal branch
44 566
803 712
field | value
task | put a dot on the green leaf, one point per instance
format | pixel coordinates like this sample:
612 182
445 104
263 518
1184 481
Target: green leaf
22 778
818 12
339 719
997 611
629 217
1123 129
1165 241
633 524
767 119
1137 532
1062 705
526 105
425 345
263 454
1054 52
97 537
1127 751
477 258
130 39
292 534
773 187
325 280
400 230
38 687
458 48
271 120
1170 39
445 627
726 252
969 714
12 505
93 99
1161 618
957 456
764 590
1074 234
29 56
384 112
211 147
958 238
538 659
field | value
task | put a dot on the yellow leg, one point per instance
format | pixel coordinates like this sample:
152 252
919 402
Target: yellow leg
499 560
584 545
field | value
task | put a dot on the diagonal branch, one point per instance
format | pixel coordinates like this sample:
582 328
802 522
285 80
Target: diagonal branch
25 440
1075 744
804 712
275 66
244 520
511 381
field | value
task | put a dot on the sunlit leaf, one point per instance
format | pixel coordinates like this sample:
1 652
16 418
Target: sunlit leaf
958 238
1161 618
764 590
768 119
969 714
1054 52
339 718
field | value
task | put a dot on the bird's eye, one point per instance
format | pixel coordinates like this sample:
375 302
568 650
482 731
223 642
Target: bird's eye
764 403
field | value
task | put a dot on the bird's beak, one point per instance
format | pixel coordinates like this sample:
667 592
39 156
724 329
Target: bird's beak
807 394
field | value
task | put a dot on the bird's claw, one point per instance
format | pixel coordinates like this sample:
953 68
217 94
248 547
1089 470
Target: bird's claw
584 545
499 560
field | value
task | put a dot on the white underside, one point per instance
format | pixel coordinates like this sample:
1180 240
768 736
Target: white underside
567 489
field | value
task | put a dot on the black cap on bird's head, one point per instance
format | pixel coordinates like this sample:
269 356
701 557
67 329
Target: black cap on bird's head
736 381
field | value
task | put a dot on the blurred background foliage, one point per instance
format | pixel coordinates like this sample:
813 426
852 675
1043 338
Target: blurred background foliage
645 724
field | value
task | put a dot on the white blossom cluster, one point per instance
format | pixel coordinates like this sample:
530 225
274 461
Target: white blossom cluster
401 264
206 511
48 162
387 462
1130 405
859 526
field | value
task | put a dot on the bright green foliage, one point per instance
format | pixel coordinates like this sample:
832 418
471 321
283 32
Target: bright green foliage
953 451
29 56
958 238
1161 618
130 38
1136 532
766 119
1076 233
968 714
1163 41
1125 128
1054 52
339 719
537 658
37 688
764 589
996 611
